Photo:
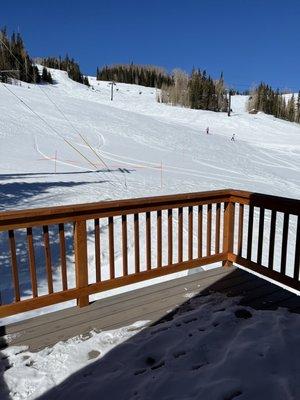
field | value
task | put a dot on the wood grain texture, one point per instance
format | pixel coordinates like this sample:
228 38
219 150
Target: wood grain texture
14 264
97 250
31 257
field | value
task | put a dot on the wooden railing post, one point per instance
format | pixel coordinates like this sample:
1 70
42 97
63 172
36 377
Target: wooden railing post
81 266
228 231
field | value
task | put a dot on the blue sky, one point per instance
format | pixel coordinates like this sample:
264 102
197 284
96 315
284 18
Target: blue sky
249 40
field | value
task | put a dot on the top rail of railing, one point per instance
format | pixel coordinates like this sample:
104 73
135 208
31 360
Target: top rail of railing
61 214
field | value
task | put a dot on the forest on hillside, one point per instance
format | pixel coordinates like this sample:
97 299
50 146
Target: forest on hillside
144 75
270 101
15 63
66 64
197 90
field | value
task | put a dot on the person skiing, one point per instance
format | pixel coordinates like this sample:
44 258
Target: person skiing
207 130
233 137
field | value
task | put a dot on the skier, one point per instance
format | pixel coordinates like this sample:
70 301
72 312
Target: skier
233 137
207 130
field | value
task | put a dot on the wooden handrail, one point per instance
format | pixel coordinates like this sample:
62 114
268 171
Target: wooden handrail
47 215
181 224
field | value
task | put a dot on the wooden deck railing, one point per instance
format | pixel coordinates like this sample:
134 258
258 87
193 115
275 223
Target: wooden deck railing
76 250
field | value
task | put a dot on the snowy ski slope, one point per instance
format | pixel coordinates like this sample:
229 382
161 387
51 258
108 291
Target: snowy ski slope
137 133
138 147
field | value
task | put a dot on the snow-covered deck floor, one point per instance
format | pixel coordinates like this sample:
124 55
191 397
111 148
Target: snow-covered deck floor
155 303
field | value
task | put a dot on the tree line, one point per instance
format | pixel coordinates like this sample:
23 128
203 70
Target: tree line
264 98
197 90
15 62
66 64
144 75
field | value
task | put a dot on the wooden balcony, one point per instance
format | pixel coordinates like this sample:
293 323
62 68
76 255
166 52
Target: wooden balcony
168 234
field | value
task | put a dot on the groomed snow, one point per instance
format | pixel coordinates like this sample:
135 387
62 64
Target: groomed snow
213 349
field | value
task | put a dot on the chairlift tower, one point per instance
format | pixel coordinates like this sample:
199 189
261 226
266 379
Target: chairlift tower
112 90
229 102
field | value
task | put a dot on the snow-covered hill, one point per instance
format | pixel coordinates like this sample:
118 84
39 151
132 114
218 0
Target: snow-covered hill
134 132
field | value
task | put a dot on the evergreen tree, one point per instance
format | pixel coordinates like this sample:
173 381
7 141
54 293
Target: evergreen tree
86 81
46 76
298 108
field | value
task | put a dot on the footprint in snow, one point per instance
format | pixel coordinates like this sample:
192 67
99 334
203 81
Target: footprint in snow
243 313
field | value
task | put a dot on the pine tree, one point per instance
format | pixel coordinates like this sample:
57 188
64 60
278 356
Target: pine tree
298 108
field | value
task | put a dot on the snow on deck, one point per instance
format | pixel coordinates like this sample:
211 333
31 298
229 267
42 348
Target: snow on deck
209 335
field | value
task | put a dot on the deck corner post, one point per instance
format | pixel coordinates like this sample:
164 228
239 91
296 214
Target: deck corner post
81 264
228 232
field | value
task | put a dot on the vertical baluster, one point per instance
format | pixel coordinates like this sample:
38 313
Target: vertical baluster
200 230
180 234
284 243
136 243
124 245
81 263
159 239
62 252
190 233
170 237
14 264
48 258
97 250
208 231
31 262
272 239
297 251
218 218
111 247
148 240
250 232
260 235
241 230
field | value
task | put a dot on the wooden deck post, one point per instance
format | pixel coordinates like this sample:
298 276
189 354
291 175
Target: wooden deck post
228 231
81 266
